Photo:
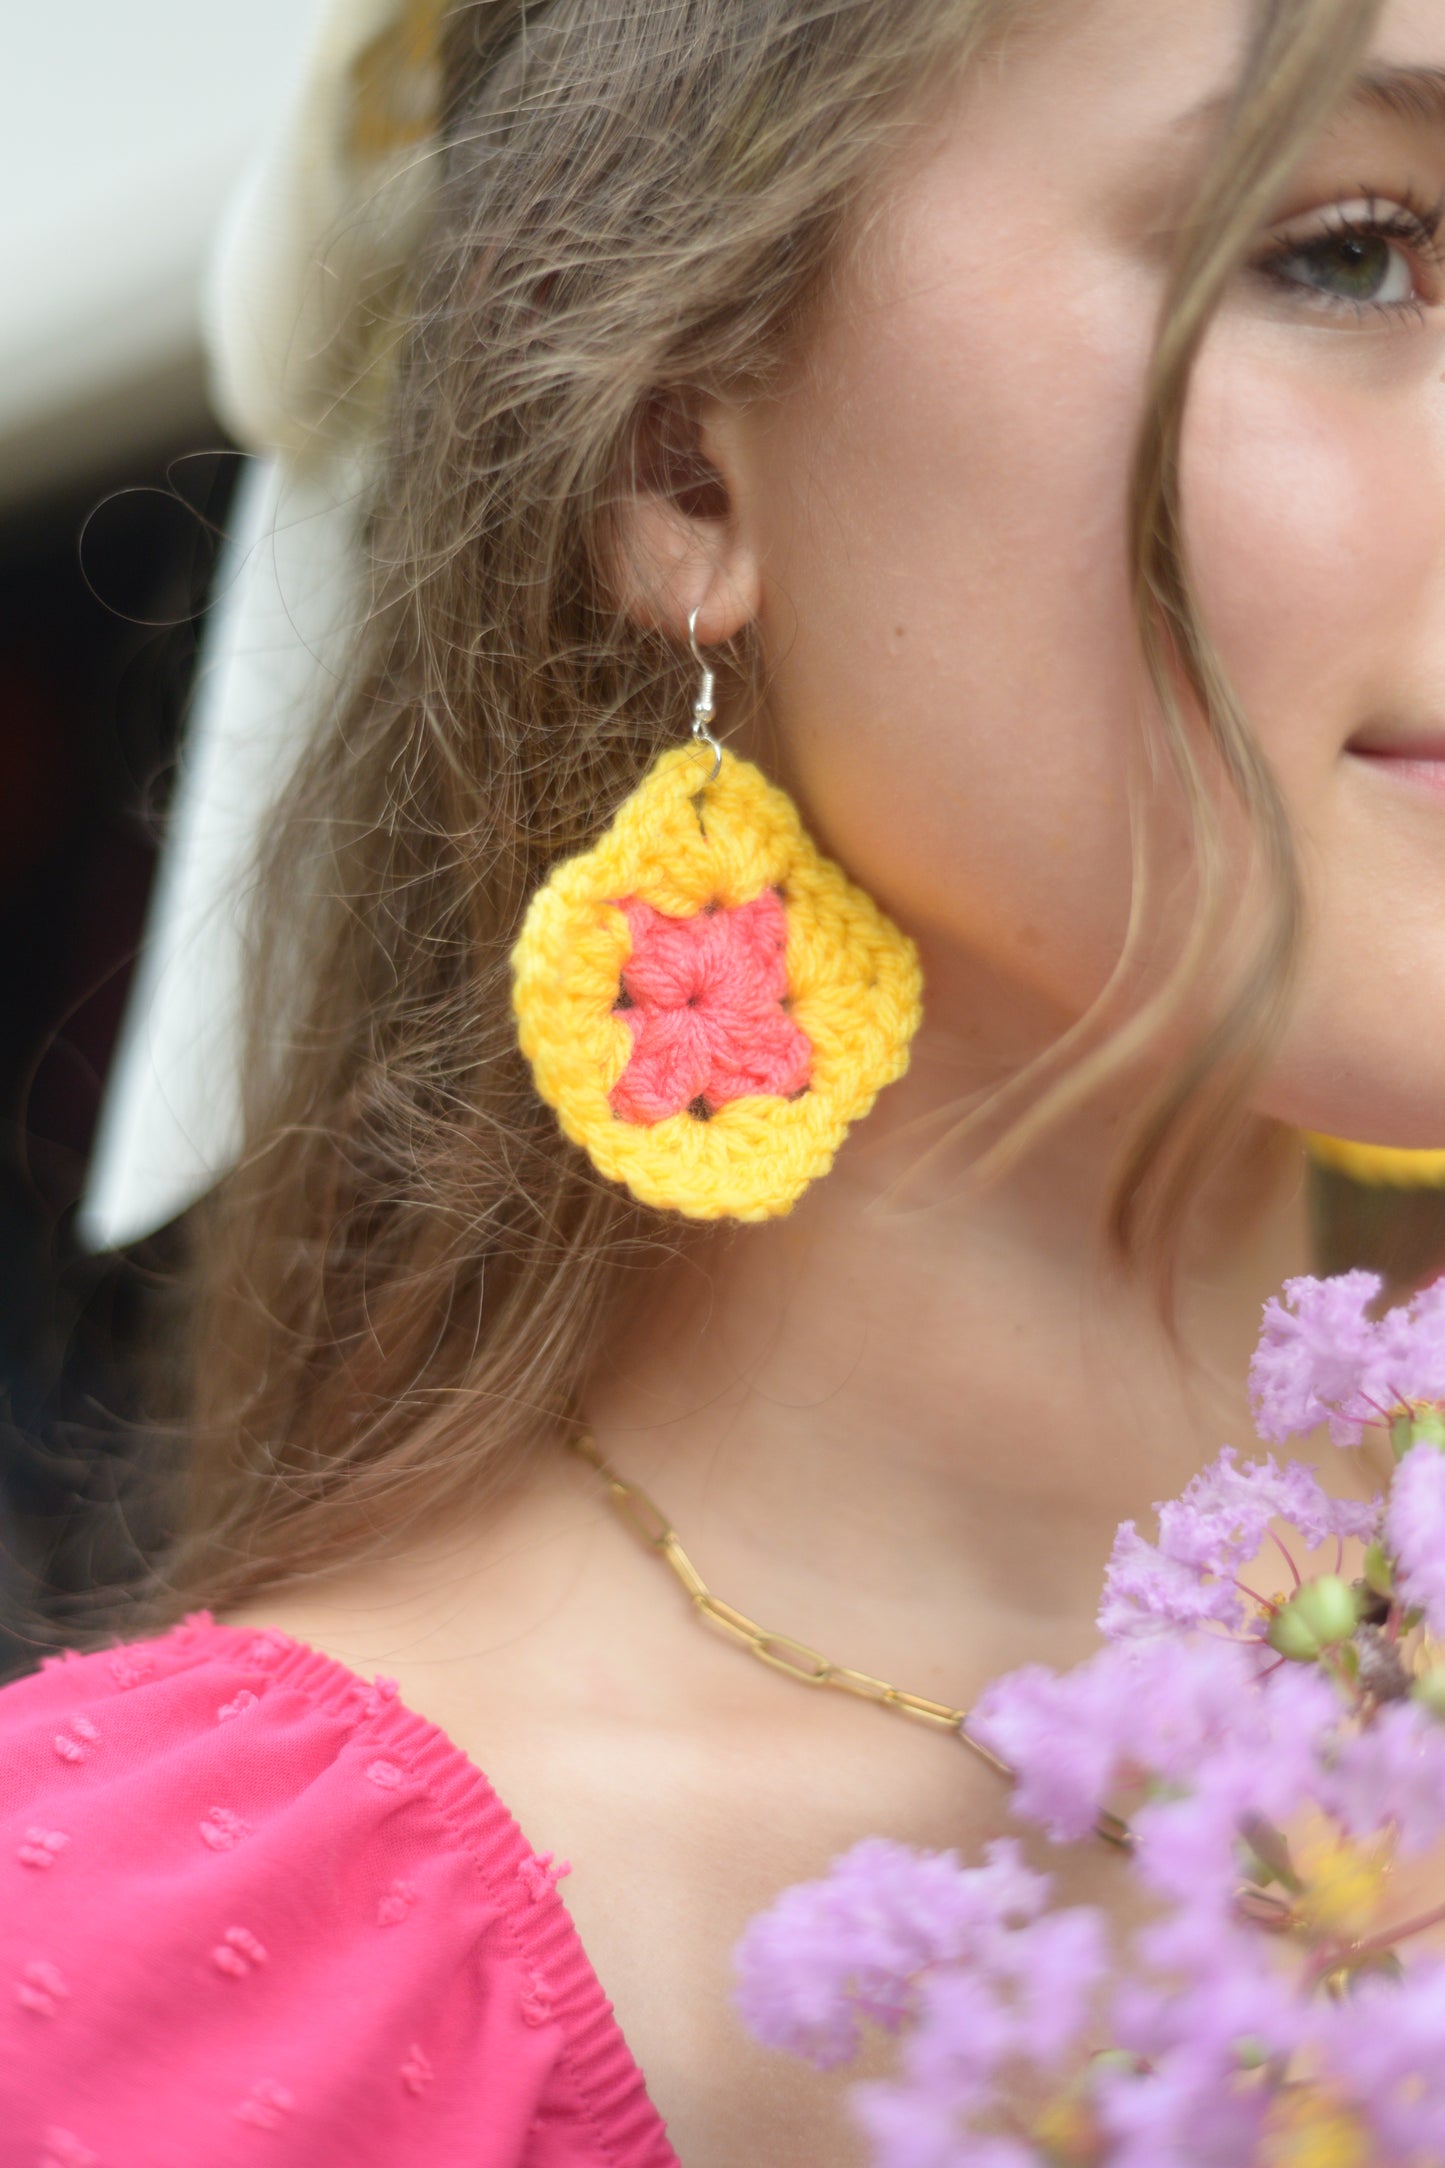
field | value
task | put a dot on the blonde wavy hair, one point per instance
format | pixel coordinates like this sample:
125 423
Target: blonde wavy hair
398 1294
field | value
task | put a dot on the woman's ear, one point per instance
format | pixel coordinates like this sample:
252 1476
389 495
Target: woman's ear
683 535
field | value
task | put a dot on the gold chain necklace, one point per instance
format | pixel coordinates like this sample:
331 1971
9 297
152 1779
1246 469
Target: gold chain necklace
780 1651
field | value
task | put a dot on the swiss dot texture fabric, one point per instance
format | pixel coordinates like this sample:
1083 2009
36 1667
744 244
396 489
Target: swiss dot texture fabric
254 1913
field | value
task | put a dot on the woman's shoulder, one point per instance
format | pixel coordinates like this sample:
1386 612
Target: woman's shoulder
287 1739
242 1888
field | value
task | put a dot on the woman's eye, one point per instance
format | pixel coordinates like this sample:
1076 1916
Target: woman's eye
1367 259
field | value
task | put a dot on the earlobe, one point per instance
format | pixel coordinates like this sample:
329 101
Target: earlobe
682 533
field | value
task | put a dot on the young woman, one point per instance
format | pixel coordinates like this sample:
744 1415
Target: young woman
1038 412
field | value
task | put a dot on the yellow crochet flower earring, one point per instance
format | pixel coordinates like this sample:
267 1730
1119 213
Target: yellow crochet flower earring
707 1003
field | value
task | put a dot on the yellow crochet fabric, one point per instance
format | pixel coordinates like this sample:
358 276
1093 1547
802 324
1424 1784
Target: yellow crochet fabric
1381 1166
681 844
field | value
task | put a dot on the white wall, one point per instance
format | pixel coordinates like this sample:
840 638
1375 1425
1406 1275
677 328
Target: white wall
122 125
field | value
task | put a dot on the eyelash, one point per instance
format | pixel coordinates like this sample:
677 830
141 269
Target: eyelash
1413 220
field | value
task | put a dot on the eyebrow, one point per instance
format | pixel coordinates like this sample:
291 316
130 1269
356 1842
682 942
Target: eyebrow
1397 90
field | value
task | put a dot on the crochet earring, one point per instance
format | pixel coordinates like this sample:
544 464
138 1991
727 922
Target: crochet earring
706 1002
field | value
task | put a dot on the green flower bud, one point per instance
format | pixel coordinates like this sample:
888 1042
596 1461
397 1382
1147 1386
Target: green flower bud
1425 1427
1317 1617
1267 1855
1289 1636
1429 1691
1380 1570
1380 1964
1114 2062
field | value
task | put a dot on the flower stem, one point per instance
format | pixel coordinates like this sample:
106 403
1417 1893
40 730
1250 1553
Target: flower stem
1388 1937
1284 1554
1414 1927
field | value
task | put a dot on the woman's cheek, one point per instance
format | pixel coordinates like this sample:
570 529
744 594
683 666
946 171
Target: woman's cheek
1307 518
1314 485
957 680
971 775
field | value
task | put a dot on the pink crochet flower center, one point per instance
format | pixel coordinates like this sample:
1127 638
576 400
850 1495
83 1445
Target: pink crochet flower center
705 999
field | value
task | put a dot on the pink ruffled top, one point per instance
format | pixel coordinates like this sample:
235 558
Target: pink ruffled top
253 1911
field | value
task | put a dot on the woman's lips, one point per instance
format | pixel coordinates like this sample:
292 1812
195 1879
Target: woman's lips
1419 762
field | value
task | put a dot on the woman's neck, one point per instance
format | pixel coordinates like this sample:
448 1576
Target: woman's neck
882 1425
903 1432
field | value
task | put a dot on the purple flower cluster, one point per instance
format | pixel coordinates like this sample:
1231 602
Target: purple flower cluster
1206 1535
831 1954
1322 1359
1415 1531
969 1956
1277 1757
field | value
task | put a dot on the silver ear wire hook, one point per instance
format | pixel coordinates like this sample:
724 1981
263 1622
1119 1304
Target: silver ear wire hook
704 710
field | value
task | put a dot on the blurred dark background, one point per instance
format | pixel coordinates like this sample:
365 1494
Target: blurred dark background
124 132
102 596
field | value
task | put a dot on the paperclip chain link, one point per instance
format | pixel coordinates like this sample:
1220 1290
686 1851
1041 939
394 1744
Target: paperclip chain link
780 1651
